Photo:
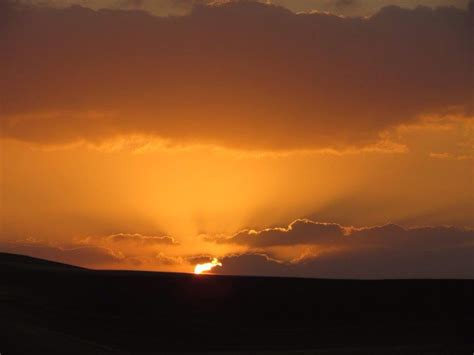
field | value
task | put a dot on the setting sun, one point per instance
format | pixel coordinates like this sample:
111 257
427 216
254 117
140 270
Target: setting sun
200 268
236 176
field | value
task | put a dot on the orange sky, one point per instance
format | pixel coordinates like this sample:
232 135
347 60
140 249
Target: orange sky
174 7
134 141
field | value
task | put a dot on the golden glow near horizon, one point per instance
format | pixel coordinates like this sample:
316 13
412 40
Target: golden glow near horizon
154 168
200 268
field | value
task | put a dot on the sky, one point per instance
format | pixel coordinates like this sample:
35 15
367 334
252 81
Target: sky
291 138
181 7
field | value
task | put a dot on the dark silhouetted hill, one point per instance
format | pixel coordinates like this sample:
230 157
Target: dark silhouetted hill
19 262
52 308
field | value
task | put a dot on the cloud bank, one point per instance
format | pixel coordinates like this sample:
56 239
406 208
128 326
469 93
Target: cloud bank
90 256
325 250
308 232
241 74
454 263
334 251
141 239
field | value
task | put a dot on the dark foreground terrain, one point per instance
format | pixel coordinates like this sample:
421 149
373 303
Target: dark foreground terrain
51 308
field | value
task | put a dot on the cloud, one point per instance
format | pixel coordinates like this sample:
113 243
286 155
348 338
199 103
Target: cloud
89 256
388 251
307 232
94 253
345 3
242 75
159 259
198 259
141 239
334 251
254 264
301 231
453 262
133 4
450 156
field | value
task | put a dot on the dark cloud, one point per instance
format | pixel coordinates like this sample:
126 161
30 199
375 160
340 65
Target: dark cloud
159 259
345 3
133 4
307 232
301 231
142 239
89 256
388 251
198 259
254 264
455 262
244 75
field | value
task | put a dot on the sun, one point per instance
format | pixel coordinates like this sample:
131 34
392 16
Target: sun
200 268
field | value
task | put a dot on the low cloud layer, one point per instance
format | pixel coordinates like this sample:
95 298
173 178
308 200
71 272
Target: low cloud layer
90 256
94 254
243 75
301 231
361 264
307 232
324 250
335 251
141 239
182 7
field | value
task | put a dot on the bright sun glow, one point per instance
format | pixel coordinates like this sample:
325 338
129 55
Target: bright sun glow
200 268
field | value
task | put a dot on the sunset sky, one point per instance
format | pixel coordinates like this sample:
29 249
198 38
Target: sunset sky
330 138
